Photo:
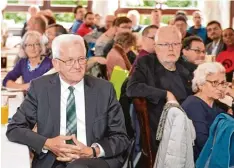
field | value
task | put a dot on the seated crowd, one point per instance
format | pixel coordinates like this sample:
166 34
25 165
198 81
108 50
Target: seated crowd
81 123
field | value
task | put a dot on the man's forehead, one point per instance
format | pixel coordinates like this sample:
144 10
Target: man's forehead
72 46
197 44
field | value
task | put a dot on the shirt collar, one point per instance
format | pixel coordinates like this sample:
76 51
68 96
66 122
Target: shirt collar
64 85
215 44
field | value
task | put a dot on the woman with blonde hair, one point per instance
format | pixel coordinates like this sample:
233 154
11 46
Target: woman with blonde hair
209 84
32 65
118 54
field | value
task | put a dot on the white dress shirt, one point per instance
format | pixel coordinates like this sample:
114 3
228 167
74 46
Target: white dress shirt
80 112
80 109
215 48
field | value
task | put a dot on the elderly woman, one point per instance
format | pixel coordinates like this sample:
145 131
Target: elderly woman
227 57
209 85
33 65
118 54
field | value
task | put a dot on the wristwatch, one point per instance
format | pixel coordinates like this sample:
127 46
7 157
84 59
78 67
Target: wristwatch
94 152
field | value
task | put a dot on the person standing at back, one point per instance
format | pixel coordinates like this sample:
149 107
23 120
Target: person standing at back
79 13
197 28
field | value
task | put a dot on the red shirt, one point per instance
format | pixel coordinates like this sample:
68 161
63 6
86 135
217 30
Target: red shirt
227 59
83 30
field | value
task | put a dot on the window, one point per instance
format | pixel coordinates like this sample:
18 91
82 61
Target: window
153 4
69 3
15 18
25 2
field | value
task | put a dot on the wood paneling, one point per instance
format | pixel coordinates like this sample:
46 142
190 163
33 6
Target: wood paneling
231 13
148 10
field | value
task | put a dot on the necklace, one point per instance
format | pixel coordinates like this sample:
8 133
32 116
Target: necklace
30 68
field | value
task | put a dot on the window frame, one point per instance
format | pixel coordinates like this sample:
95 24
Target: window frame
46 5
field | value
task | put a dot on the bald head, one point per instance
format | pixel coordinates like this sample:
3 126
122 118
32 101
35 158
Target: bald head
168 32
109 21
33 10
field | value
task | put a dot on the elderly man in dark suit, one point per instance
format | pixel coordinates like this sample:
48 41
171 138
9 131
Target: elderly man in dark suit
159 78
76 129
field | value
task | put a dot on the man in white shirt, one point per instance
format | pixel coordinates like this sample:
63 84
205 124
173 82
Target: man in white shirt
80 122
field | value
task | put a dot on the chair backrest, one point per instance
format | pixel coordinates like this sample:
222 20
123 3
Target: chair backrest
128 156
148 157
118 76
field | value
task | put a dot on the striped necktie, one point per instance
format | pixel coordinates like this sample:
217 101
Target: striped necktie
71 127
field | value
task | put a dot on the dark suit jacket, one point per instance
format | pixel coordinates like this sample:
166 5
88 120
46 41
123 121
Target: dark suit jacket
221 47
147 82
104 119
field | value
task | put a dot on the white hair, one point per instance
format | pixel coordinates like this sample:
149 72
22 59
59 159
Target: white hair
36 35
203 70
135 13
167 28
65 38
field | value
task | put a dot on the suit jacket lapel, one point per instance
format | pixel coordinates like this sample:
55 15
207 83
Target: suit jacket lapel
54 93
90 108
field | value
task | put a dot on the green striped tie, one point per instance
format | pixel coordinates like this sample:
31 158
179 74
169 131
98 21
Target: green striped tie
71 127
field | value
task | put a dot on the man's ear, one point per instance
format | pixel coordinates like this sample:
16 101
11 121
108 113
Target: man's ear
56 65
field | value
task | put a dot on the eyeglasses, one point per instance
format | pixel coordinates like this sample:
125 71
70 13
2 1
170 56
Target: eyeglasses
32 45
197 51
71 62
167 45
224 84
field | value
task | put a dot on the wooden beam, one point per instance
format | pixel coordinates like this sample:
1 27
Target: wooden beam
148 10
46 5
231 13
90 5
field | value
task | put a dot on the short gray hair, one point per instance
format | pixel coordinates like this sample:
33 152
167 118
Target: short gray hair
203 70
65 38
166 28
37 36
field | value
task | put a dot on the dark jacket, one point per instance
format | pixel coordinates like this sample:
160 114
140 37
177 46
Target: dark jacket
148 81
104 119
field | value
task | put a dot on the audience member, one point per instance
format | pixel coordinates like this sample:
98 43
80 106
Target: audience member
181 13
214 32
97 21
96 33
209 84
32 66
181 23
37 23
121 24
118 54
155 18
197 28
159 79
75 127
148 43
79 13
32 11
53 31
134 16
193 50
87 26
227 57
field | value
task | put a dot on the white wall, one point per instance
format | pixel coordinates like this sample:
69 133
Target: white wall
216 10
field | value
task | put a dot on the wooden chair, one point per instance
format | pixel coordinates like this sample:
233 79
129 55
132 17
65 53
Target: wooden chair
148 156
